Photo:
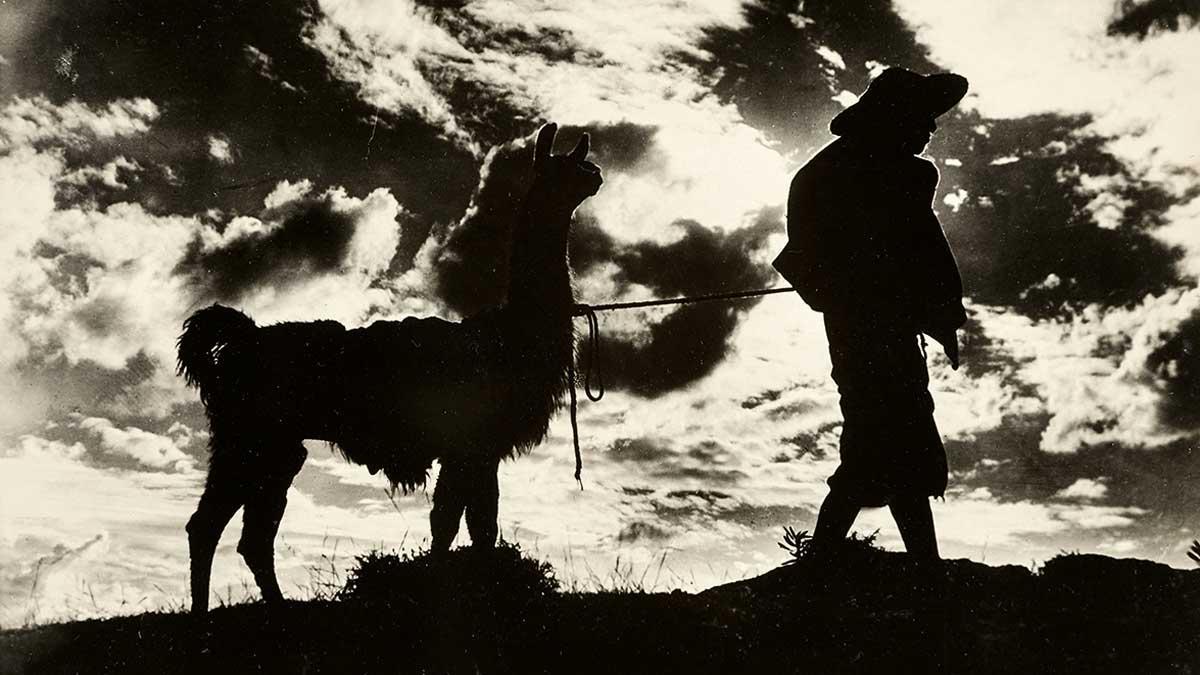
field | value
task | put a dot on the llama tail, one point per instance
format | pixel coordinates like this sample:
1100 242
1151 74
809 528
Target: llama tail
205 336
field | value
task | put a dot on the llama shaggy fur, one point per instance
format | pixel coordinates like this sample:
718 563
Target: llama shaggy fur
394 395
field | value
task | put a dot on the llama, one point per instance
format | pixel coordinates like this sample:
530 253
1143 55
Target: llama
393 396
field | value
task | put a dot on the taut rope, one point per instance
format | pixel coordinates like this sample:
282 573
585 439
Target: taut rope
593 345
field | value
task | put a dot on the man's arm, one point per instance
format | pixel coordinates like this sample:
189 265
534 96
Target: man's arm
942 309
808 261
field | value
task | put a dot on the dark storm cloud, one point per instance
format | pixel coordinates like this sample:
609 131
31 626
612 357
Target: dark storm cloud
120 395
703 260
709 461
1142 18
290 121
684 508
690 341
313 239
1025 220
1176 365
472 267
771 70
682 348
1008 462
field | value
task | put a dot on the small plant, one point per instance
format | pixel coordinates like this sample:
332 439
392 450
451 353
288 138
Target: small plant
801 547
797 544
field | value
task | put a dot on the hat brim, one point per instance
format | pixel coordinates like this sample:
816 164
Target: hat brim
942 91
933 97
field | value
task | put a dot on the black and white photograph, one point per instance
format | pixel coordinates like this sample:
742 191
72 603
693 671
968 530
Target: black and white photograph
572 336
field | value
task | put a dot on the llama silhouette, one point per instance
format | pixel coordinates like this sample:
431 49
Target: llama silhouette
393 396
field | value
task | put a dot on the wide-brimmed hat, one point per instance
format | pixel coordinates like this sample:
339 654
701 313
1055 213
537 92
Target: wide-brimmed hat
900 95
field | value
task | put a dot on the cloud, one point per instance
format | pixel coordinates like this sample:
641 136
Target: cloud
778 66
108 175
265 65
56 301
720 174
1182 230
1101 389
1070 64
1084 489
30 121
302 238
81 530
1066 208
93 298
976 518
148 449
686 343
1142 18
220 150
315 127
377 48
106 285
27 189
1172 364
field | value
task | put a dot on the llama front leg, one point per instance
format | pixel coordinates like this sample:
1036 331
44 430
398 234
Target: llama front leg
217 505
449 501
265 504
483 504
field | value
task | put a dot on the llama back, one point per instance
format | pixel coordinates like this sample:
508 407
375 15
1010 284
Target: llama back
422 367
419 389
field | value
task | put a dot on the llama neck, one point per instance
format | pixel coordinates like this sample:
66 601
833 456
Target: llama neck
539 290
537 320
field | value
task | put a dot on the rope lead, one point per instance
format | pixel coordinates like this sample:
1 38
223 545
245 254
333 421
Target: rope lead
592 362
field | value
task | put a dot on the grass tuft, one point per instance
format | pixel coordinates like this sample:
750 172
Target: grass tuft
500 576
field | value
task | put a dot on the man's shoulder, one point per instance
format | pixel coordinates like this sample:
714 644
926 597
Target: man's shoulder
827 159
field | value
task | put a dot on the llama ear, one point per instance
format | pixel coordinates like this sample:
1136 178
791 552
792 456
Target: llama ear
581 148
545 142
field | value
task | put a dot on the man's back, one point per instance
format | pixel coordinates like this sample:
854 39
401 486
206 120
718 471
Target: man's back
861 224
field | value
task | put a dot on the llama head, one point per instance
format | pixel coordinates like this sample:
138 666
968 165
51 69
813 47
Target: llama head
562 182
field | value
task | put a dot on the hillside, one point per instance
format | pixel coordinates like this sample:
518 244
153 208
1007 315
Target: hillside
866 611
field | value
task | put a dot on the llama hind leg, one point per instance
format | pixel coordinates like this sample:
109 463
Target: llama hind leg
449 501
221 499
265 503
483 504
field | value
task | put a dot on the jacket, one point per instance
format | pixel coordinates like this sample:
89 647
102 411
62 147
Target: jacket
863 239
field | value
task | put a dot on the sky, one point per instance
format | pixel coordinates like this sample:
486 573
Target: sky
357 160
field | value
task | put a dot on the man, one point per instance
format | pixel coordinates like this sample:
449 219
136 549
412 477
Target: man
866 249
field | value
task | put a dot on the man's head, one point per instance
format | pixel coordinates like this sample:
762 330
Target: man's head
899 107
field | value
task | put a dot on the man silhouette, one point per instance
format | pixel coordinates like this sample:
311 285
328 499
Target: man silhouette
866 249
